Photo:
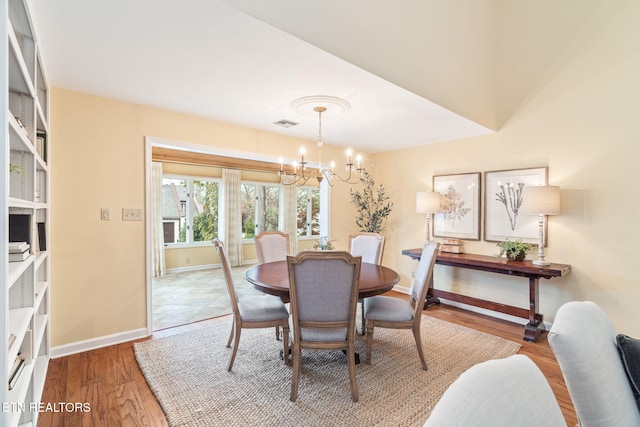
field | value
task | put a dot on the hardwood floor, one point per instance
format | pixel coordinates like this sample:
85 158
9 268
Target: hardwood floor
111 382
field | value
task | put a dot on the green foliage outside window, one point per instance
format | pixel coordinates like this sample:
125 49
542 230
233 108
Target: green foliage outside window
270 199
205 224
248 203
308 212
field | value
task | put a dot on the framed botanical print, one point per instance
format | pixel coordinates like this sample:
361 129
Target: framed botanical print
460 216
504 195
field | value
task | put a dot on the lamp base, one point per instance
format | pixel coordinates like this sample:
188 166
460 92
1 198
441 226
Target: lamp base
540 262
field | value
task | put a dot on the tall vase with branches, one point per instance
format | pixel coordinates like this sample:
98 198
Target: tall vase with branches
373 205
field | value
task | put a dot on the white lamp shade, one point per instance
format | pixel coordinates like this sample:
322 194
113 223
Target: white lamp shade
428 202
544 200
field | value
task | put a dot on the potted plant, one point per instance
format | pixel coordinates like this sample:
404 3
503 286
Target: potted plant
516 250
16 168
324 244
372 203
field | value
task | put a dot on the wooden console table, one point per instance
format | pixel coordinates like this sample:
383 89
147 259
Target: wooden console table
493 264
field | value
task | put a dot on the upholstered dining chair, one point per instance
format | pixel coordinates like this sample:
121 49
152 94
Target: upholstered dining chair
252 312
583 340
370 247
396 313
272 246
498 393
323 287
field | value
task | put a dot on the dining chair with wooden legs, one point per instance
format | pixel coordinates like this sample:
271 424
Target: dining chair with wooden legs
323 287
252 312
370 246
272 246
396 313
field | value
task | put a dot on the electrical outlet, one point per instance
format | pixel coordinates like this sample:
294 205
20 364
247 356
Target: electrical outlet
129 214
105 214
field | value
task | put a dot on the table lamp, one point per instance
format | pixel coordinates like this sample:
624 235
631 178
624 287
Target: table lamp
541 201
428 202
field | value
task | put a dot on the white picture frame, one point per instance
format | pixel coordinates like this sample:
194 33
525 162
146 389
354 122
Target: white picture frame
503 200
460 218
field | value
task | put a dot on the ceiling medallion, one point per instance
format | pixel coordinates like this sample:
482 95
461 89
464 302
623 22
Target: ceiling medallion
307 104
300 172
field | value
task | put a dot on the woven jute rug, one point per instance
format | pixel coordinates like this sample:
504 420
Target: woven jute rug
188 375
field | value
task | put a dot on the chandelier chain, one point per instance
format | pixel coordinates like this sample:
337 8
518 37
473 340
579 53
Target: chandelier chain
321 173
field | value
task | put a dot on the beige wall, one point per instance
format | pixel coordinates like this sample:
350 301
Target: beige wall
580 118
98 267
577 113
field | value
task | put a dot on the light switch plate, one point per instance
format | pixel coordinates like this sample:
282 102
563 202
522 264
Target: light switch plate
105 214
129 214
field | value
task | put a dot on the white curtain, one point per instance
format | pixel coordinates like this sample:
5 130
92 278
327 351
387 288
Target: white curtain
157 231
230 216
289 214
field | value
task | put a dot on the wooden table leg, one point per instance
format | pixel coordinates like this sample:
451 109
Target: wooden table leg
430 299
532 329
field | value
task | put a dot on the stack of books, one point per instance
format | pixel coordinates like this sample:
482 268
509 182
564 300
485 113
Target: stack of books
16 370
453 246
18 251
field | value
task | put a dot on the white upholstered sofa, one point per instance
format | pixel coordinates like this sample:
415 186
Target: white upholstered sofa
499 393
583 340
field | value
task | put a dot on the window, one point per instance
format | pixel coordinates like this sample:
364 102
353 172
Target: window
268 205
174 210
308 211
248 197
205 217
189 209
260 208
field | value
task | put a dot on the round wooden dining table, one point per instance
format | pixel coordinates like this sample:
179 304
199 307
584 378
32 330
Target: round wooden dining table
273 278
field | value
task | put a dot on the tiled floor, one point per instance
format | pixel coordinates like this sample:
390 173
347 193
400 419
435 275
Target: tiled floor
181 298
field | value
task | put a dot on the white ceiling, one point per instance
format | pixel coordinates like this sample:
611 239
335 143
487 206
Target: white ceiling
207 59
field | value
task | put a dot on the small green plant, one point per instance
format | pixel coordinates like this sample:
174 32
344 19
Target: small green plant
16 168
515 250
324 244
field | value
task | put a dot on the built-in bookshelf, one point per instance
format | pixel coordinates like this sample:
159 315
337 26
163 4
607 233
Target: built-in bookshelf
24 231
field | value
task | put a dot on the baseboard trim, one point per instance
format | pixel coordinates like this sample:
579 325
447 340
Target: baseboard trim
203 267
192 268
402 289
99 342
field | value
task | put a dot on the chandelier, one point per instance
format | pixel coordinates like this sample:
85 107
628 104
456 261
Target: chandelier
302 172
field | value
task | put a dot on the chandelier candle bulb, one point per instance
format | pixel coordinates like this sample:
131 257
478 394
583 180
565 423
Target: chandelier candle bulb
321 173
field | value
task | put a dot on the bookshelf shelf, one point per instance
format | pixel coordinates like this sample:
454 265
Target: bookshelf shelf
17 270
24 161
19 319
